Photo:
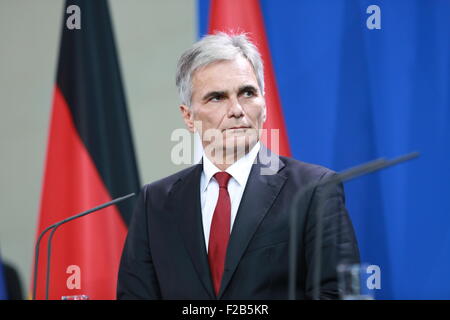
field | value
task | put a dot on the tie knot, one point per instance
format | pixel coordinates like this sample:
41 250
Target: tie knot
222 178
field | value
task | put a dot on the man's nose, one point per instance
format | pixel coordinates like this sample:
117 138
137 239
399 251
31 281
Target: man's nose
235 109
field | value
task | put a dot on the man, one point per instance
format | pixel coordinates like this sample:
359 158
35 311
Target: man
220 229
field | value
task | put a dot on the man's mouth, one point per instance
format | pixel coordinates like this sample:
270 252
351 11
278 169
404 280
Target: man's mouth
238 128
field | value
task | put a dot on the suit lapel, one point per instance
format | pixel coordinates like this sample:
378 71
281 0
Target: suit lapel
260 193
185 201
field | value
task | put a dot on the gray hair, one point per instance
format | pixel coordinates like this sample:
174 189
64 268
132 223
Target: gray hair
212 48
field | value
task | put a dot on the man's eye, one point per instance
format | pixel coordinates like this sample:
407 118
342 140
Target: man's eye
248 94
216 98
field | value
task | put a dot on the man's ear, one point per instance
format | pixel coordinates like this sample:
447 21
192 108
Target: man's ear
188 117
264 113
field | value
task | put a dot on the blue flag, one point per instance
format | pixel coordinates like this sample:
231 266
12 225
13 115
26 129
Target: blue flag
3 292
364 79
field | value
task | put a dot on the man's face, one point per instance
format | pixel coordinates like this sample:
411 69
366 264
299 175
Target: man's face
226 100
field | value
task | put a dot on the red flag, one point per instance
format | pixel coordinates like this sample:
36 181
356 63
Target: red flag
90 160
236 16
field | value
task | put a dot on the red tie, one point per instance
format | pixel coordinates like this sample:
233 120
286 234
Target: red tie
220 231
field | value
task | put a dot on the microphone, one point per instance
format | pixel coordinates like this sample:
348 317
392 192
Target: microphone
54 227
342 176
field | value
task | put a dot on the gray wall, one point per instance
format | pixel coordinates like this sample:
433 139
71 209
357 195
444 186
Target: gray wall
150 35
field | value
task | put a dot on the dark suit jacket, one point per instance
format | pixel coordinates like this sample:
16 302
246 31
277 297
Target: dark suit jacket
165 255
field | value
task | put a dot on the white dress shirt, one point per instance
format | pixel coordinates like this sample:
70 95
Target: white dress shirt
209 188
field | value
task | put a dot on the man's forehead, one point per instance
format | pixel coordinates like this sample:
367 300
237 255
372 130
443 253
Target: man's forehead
224 75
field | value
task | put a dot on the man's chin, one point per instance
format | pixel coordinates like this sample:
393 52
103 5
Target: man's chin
231 148
240 144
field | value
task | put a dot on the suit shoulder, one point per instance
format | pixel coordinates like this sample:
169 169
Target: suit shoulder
164 185
307 171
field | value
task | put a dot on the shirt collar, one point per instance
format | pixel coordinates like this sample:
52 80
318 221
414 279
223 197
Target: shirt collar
239 170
